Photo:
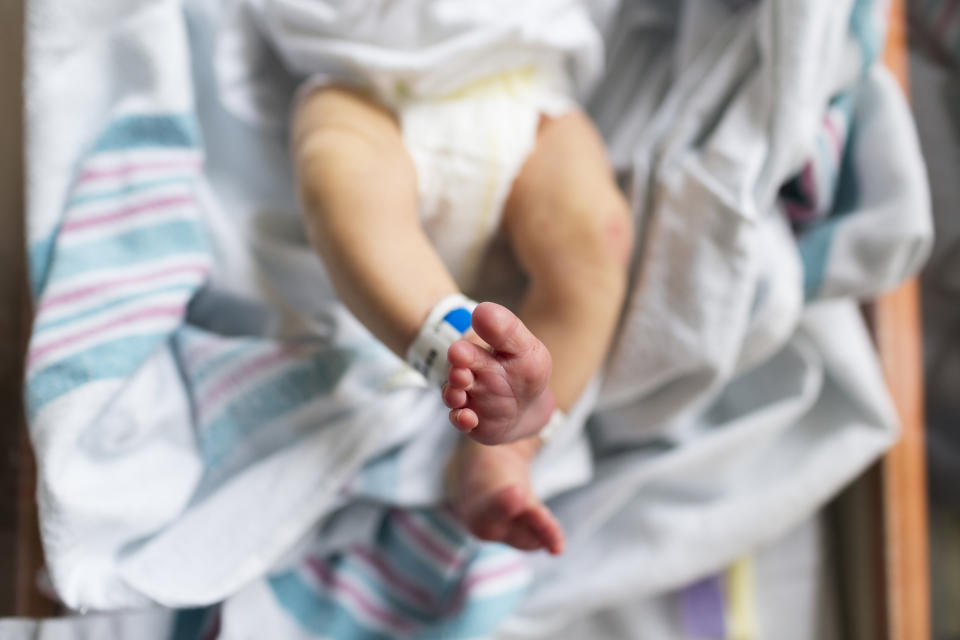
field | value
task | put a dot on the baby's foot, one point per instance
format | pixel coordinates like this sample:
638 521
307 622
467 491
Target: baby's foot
490 490
500 395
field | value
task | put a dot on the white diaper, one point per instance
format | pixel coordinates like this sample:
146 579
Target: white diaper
467 148
468 81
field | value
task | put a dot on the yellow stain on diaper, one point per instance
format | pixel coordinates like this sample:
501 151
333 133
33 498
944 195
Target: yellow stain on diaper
514 81
741 600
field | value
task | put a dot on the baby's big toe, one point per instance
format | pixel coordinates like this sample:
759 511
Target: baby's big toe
501 329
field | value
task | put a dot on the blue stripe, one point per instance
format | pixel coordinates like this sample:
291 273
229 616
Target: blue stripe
130 188
136 246
319 613
204 371
408 561
375 584
282 394
442 525
848 180
115 359
137 132
130 132
189 624
39 259
814 248
316 612
867 30
477 618
50 324
379 478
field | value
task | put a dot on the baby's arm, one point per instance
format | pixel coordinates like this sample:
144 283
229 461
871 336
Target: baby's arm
358 190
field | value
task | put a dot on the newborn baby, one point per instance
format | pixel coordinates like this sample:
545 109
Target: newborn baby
420 116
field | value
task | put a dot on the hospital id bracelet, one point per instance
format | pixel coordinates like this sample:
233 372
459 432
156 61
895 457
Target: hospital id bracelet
446 324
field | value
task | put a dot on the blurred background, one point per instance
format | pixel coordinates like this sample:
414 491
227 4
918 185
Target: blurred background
893 565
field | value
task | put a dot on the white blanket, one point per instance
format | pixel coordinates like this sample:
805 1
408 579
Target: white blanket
211 426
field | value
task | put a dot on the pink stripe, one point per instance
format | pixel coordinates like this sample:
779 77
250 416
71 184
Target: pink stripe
155 312
77 294
798 213
126 170
386 572
809 185
425 540
243 372
126 213
471 581
483 576
835 136
200 352
374 610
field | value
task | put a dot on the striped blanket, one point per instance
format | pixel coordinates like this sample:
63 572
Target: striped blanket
216 433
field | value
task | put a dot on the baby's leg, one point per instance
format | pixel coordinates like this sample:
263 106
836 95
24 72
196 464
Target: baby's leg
572 232
358 188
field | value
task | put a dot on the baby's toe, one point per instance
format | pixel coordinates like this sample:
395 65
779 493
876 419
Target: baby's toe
464 354
465 420
502 329
453 397
460 378
494 517
519 536
545 527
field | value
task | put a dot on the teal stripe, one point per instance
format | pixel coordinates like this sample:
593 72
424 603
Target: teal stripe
481 617
442 525
39 261
814 248
409 561
867 30
317 613
38 328
114 359
129 189
282 394
477 618
359 572
140 131
189 624
848 182
136 246
203 372
379 478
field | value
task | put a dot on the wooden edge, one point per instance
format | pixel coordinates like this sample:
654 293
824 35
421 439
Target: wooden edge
27 560
903 483
898 334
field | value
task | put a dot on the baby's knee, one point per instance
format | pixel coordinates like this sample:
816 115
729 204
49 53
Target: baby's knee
586 257
603 237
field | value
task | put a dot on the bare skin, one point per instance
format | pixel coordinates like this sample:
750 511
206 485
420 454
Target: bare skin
571 231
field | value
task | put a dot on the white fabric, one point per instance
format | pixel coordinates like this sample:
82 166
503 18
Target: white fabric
412 50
